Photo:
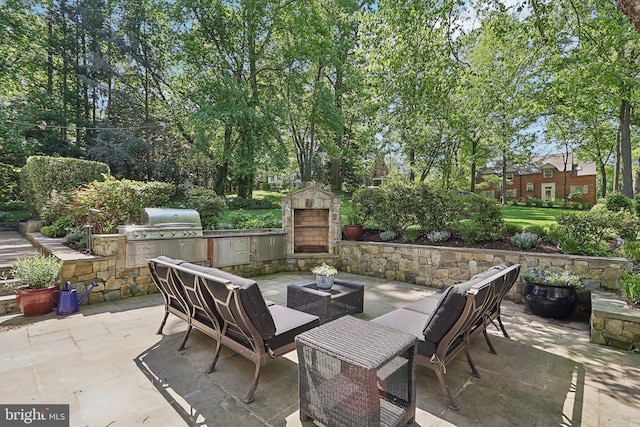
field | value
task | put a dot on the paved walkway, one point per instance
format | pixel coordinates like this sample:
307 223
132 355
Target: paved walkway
13 245
107 363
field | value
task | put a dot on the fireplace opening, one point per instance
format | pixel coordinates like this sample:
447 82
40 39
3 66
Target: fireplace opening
311 230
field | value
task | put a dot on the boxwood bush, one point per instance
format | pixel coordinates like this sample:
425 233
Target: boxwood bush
45 178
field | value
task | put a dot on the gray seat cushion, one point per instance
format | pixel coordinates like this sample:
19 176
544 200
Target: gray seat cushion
289 323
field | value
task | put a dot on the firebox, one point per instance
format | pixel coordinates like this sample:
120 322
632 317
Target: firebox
311 231
311 219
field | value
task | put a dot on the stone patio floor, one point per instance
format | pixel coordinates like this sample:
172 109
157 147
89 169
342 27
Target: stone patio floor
108 364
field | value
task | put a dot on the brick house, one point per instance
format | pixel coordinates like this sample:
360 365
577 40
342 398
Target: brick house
544 178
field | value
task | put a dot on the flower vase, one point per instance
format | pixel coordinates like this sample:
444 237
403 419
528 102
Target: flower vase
324 283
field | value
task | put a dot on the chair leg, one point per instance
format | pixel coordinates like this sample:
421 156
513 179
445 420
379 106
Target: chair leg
504 331
486 338
451 404
474 370
186 337
164 320
254 386
212 367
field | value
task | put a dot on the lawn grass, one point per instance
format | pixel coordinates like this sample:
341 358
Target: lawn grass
521 215
527 216
15 216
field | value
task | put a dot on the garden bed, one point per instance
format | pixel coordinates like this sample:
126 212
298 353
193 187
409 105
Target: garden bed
503 243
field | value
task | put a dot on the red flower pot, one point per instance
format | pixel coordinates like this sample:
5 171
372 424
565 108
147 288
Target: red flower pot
35 302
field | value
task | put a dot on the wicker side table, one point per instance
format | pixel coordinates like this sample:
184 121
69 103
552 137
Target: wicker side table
344 298
355 373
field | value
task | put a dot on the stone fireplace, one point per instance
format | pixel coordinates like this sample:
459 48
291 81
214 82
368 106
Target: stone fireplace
311 219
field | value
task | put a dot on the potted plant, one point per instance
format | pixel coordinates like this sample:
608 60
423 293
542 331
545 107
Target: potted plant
35 285
630 284
353 229
551 293
324 276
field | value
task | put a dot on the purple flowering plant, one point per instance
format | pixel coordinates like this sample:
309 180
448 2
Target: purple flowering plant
552 277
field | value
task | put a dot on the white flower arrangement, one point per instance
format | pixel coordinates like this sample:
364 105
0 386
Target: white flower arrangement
324 270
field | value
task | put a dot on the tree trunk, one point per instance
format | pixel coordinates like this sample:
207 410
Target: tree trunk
474 166
603 180
504 177
616 170
625 148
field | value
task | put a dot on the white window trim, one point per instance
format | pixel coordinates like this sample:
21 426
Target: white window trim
547 171
530 185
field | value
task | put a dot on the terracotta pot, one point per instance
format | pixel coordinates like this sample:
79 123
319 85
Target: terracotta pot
353 232
553 301
35 302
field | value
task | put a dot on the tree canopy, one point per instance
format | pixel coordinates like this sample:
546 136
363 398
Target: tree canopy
223 93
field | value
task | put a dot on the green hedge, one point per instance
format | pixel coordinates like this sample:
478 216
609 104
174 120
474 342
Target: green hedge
43 177
9 183
119 201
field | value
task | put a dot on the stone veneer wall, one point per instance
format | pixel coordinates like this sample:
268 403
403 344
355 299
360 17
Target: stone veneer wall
439 267
613 323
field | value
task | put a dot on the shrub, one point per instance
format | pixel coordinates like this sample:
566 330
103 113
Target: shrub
537 229
388 235
510 228
237 203
472 232
267 220
5 216
43 175
13 205
411 235
484 212
525 240
9 183
618 202
36 271
391 207
585 232
631 250
78 238
528 203
120 201
538 203
439 236
434 209
630 284
636 204
208 204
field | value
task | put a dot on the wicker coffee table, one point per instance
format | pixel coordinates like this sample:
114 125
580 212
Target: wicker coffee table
344 298
355 373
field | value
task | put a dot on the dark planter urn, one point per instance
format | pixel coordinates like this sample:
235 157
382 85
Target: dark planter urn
553 301
35 302
353 232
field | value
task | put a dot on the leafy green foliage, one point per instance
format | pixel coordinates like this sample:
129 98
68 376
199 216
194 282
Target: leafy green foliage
237 203
36 271
119 201
411 235
525 240
631 250
510 228
630 284
242 220
208 204
46 178
385 236
537 229
9 184
617 202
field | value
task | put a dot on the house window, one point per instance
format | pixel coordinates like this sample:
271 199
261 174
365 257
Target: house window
547 173
529 186
582 189
512 193
510 176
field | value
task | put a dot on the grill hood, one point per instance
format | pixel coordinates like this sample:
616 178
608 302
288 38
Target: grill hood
167 217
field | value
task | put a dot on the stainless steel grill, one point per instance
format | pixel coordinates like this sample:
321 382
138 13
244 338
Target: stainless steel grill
176 233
